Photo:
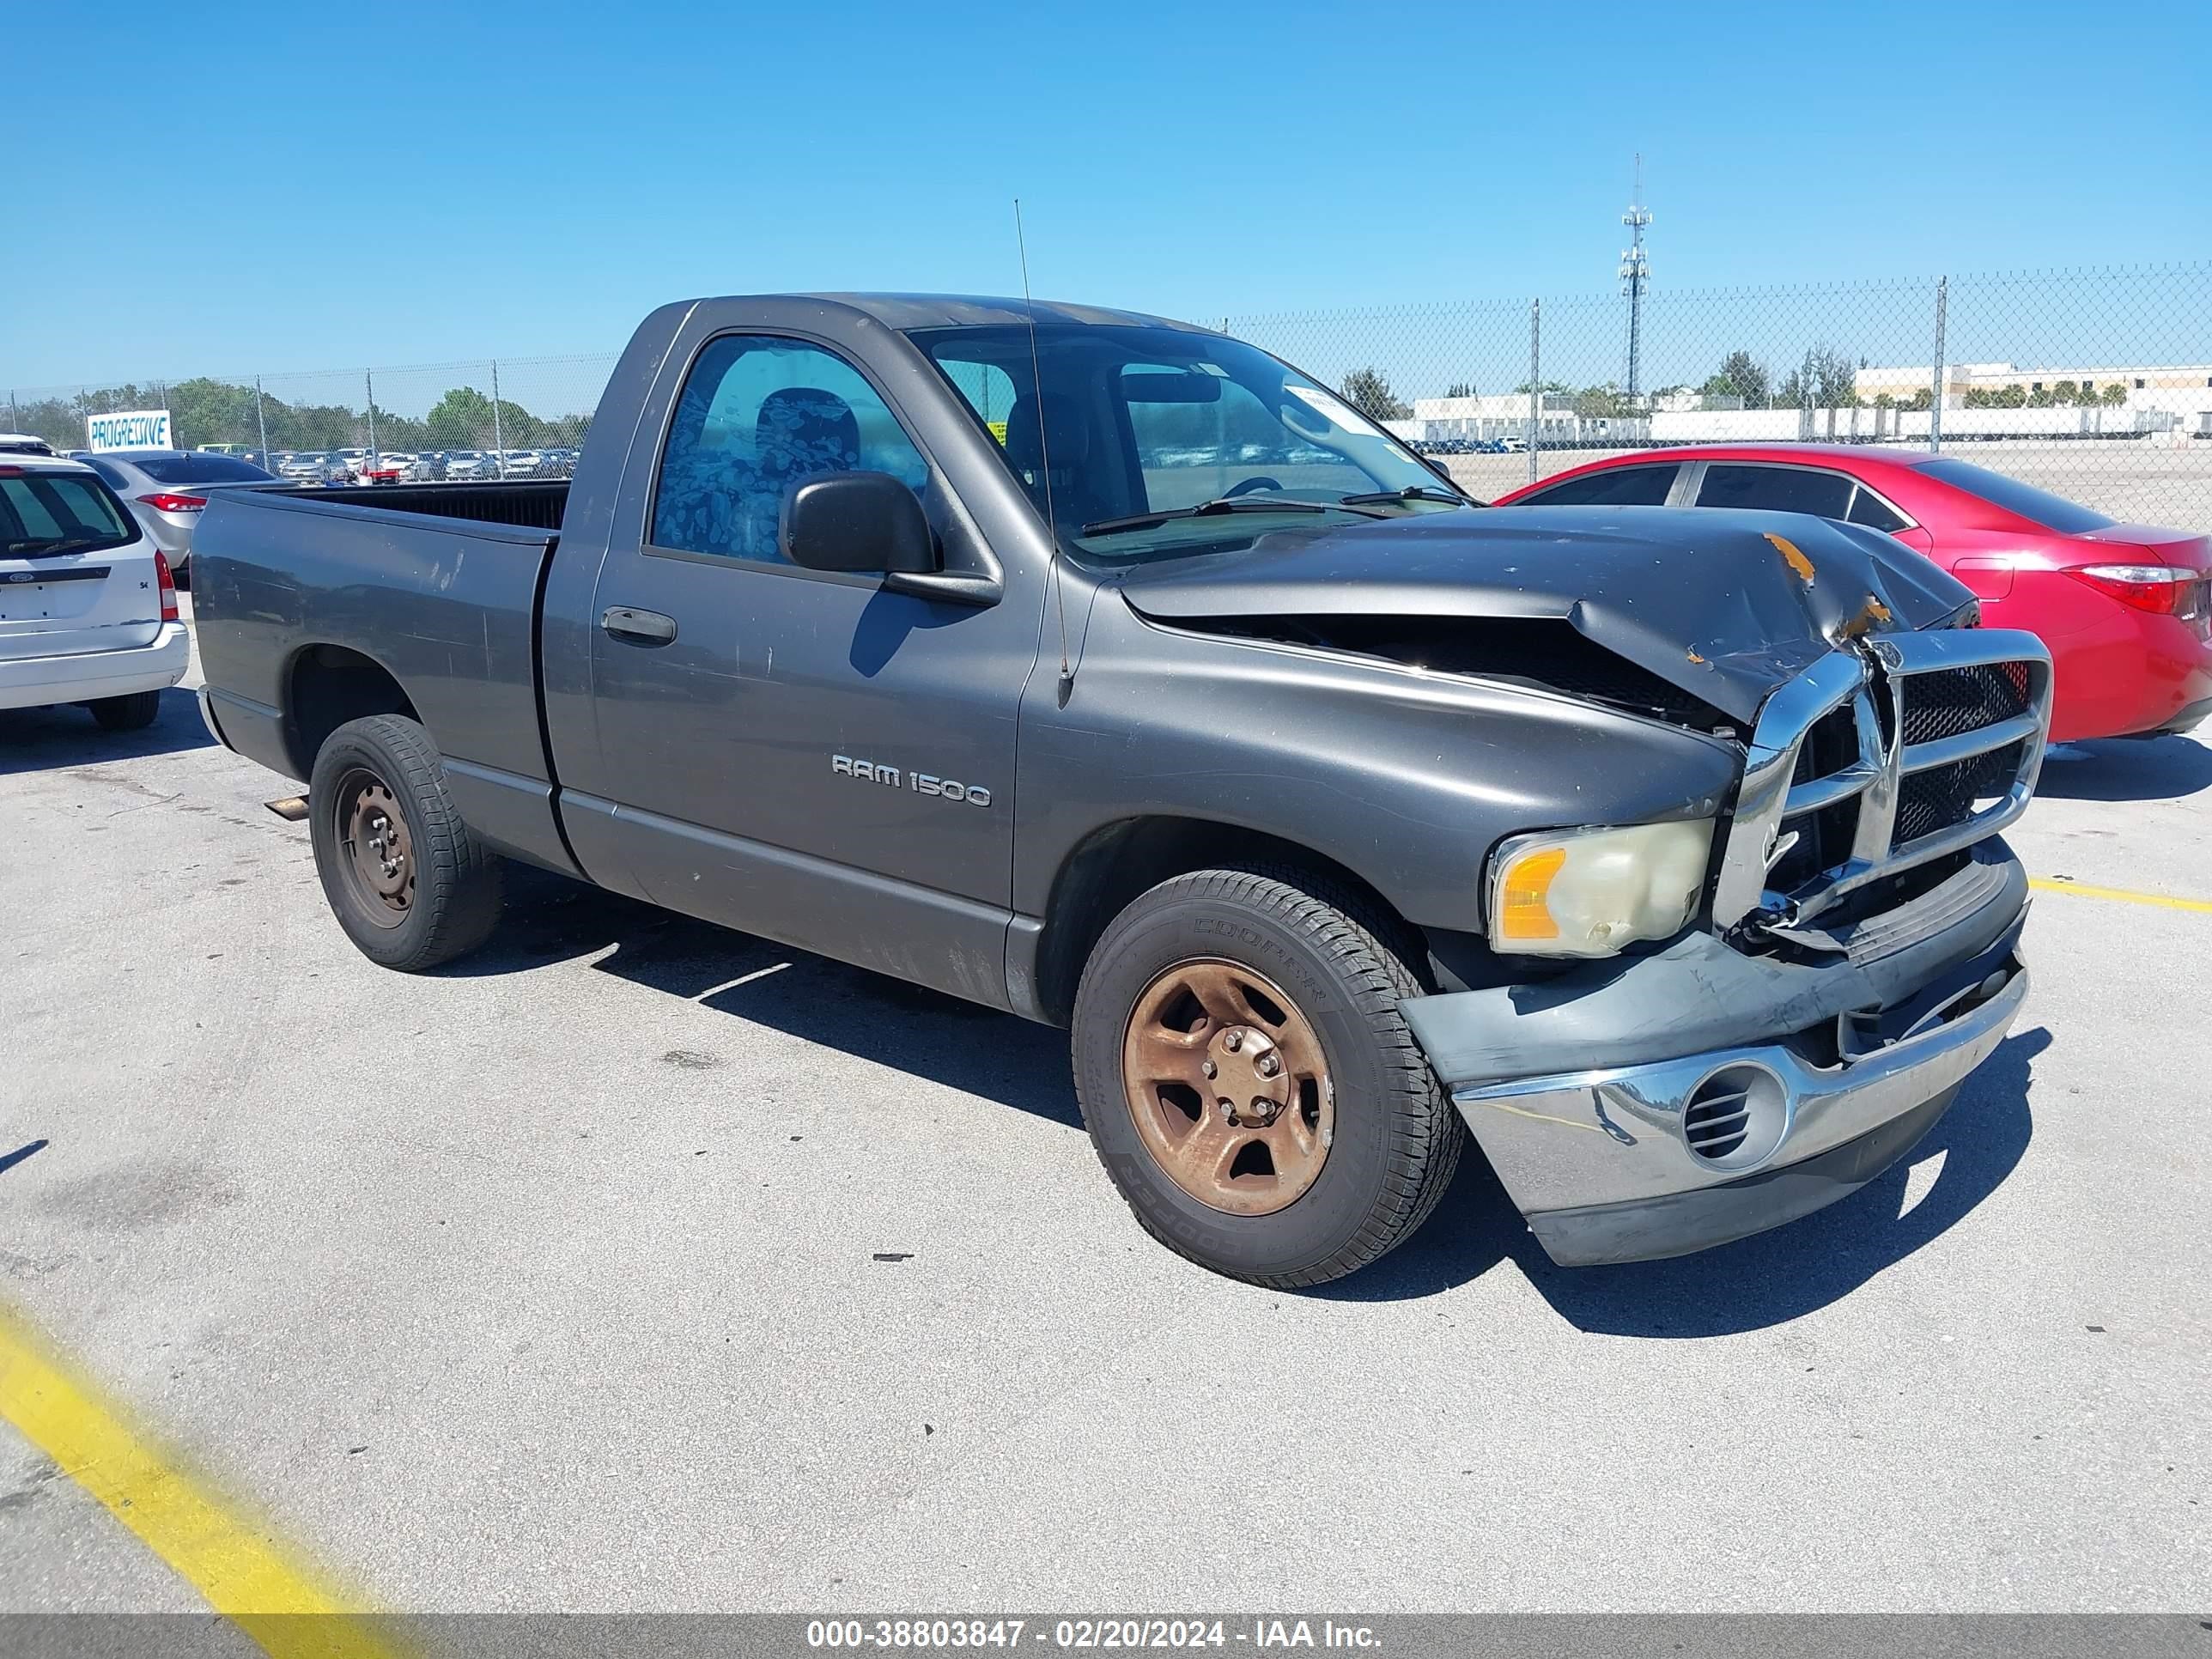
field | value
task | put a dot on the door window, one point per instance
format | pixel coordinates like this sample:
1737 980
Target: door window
1870 510
1617 486
758 415
1776 489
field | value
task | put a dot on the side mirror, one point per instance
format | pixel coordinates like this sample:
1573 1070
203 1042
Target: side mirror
860 522
1436 465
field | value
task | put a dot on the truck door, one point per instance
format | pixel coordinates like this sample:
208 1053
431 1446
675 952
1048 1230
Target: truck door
803 755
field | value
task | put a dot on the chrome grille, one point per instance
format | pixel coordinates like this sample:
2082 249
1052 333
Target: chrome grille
1872 761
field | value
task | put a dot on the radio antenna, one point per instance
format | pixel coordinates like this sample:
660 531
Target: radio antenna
1044 455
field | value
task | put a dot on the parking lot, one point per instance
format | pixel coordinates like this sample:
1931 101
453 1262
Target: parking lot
634 1264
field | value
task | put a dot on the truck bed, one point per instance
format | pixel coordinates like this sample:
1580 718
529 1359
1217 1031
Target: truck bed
305 596
535 504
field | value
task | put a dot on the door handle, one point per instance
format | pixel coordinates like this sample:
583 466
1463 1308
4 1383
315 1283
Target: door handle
646 627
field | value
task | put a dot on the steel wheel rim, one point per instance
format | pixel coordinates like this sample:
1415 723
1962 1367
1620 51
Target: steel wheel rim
1228 1087
377 849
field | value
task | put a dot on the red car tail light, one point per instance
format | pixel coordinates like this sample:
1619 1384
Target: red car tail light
2164 590
162 501
168 584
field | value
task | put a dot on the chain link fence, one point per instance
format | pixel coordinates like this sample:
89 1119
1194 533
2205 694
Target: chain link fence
2094 383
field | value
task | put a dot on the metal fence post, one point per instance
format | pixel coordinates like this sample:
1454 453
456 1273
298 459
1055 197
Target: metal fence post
261 422
1535 381
498 438
1935 393
369 378
14 412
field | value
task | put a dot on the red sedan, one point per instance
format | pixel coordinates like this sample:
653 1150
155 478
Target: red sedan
2126 609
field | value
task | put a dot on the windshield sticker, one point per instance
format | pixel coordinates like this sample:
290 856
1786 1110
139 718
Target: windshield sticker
1323 404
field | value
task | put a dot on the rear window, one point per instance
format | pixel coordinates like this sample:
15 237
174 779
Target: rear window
200 469
48 513
1619 486
2037 505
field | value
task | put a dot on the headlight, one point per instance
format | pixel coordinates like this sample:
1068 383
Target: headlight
1589 892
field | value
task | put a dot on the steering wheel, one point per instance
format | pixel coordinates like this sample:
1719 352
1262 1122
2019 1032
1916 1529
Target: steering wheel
1246 486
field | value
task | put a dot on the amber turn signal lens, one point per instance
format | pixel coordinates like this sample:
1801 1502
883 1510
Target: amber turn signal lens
1523 912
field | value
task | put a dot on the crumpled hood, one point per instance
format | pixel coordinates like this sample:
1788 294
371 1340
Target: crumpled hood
1727 605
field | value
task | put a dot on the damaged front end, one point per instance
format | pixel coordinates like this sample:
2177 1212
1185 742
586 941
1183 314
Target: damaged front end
1852 951
1863 959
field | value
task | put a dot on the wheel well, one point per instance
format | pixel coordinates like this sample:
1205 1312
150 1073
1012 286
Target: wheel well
1111 865
330 684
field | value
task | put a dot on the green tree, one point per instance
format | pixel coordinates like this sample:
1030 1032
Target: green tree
1601 401
2114 394
1740 375
1366 390
1823 379
1460 389
1921 401
462 419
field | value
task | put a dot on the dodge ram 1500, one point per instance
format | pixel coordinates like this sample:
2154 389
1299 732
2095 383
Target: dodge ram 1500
1108 670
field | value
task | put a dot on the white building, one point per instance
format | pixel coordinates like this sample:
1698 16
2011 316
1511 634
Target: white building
2175 387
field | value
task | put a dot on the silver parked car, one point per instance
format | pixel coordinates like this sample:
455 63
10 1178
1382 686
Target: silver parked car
313 466
167 489
471 466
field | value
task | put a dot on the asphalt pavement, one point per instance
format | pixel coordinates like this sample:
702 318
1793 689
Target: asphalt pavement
636 1264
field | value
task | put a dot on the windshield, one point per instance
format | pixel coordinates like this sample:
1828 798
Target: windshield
1140 421
2037 505
43 514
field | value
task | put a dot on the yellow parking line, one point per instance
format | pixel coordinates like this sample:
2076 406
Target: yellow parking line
232 1563
2119 895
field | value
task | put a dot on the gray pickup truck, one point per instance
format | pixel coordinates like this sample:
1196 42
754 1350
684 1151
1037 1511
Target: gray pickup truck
1107 671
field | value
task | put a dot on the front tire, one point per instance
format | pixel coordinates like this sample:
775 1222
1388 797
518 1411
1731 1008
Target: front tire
1249 1082
405 878
134 713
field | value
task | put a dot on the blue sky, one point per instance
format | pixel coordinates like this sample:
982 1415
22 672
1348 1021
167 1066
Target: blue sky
277 187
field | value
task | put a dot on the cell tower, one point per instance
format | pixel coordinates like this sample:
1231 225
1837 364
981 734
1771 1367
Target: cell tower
1635 274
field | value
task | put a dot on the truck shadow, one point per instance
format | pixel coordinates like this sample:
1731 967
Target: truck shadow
2127 769
44 739
925 1034
1768 1279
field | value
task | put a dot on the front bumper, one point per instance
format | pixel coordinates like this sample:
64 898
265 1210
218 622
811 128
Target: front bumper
1588 1092
85 676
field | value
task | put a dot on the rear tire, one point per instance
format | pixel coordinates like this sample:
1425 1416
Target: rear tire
134 713
406 878
1285 944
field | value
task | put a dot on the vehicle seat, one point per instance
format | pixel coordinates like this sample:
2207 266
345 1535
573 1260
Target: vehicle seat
802 431
1077 499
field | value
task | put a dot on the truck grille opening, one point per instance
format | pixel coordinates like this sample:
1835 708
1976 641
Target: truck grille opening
1945 795
1949 701
1824 837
